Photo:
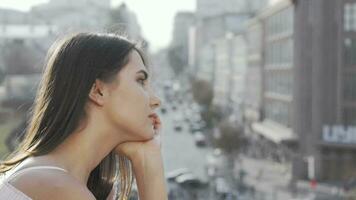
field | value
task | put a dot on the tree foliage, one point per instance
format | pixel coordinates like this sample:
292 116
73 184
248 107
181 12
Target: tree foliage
202 92
231 137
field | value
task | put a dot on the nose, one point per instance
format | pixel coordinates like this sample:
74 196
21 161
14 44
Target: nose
155 102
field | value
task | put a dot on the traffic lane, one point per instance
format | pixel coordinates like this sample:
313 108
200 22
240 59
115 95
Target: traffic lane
179 149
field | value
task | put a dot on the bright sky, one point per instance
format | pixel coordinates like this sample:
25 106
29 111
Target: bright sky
155 16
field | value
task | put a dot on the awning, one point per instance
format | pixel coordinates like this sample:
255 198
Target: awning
273 131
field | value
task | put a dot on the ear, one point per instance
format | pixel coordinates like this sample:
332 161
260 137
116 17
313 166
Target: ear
96 94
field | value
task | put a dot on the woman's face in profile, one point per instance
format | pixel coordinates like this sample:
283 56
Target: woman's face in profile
132 100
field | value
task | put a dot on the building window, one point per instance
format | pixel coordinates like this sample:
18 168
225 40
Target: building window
254 39
349 91
350 52
279 82
280 53
278 111
280 23
350 17
349 115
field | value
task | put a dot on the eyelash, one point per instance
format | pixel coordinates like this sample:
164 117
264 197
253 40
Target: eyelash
141 81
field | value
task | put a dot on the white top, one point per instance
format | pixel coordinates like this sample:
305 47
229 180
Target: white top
9 192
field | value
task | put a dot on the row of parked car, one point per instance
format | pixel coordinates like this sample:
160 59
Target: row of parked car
183 184
190 120
186 117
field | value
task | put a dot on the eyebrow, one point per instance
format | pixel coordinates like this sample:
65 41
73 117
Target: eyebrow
143 72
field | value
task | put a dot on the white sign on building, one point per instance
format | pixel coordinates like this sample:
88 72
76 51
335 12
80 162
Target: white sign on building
339 134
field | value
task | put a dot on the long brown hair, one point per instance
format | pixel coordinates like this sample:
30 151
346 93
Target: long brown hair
72 66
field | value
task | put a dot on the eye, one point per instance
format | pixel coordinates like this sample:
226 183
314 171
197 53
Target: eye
141 81
142 78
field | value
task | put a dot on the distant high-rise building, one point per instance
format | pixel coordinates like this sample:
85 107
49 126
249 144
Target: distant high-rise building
10 16
269 81
216 18
22 52
79 3
254 72
229 68
304 53
325 109
210 8
183 22
69 16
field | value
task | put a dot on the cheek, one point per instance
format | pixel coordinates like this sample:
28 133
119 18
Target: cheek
130 111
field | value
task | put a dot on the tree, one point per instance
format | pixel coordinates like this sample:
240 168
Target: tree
230 140
212 115
202 92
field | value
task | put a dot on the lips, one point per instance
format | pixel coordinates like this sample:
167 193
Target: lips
153 115
155 120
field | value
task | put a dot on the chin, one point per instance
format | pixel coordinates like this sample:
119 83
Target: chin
148 134
151 133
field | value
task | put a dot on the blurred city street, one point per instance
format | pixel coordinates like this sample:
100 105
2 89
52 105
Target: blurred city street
269 180
179 149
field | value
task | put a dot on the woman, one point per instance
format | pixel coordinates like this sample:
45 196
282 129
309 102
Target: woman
94 109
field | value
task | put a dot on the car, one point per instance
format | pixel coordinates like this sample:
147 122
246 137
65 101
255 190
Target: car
174 107
178 117
200 139
195 127
178 127
189 180
163 110
187 115
167 87
195 116
178 122
180 101
172 175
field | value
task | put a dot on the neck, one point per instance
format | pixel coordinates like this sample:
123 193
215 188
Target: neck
83 150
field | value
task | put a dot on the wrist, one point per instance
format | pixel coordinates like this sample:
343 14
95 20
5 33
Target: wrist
150 179
147 161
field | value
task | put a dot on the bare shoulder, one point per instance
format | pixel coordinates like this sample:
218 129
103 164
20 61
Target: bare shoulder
50 184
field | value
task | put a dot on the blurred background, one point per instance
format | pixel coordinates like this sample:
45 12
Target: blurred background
259 96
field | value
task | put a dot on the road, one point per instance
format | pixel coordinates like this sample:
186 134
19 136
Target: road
179 150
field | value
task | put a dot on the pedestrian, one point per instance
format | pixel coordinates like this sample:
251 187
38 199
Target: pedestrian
93 126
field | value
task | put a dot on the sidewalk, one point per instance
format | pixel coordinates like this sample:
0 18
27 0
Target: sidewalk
271 181
321 189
